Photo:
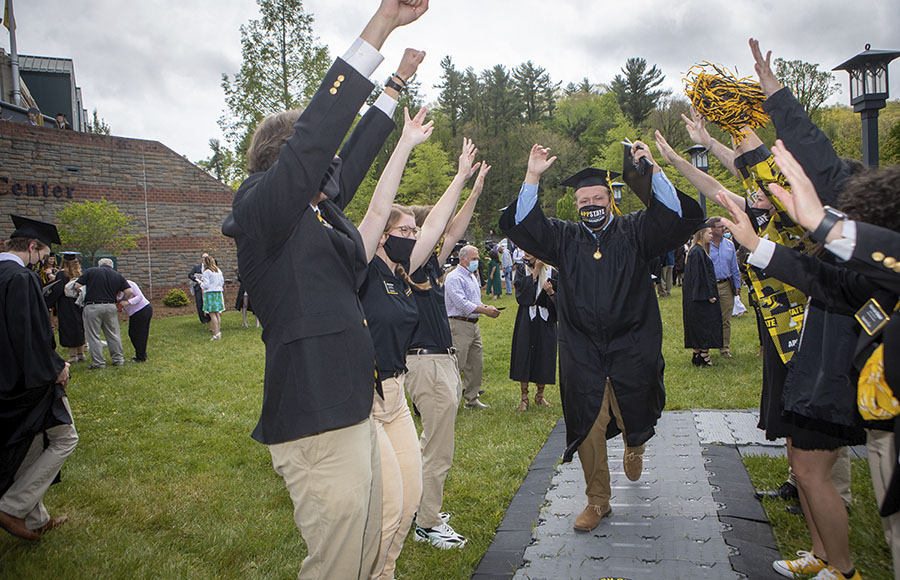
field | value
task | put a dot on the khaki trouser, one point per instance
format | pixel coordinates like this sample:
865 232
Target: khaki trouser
840 475
467 341
882 462
25 497
592 451
666 279
435 389
401 472
334 479
726 303
103 317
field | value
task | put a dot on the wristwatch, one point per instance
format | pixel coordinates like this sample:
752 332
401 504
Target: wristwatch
390 82
832 216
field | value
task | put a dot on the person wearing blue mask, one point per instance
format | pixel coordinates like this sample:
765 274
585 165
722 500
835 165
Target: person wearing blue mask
462 297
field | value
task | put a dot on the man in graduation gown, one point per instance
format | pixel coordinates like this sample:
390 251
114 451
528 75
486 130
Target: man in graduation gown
33 405
610 332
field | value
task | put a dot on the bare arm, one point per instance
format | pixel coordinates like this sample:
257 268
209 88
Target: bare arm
391 14
705 183
463 216
440 214
372 226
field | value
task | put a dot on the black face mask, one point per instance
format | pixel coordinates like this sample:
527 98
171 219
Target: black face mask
759 216
331 182
593 216
399 249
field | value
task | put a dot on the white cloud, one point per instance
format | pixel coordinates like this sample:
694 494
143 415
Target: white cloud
153 69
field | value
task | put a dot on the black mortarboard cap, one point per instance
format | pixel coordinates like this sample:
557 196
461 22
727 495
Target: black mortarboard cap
70 255
589 177
638 177
29 228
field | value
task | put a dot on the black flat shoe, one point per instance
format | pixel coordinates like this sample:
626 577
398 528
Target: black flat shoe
697 360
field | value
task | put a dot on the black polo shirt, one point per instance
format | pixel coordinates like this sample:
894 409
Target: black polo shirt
433 329
103 284
391 314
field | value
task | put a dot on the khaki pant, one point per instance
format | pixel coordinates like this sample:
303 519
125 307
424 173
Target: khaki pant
401 472
103 317
840 475
592 451
666 279
25 497
882 462
334 479
467 341
435 389
726 303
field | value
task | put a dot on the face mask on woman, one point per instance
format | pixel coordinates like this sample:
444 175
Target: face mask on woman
399 249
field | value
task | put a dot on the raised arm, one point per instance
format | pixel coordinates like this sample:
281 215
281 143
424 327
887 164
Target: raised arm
436 222
461 221
372 226
706 184
696 128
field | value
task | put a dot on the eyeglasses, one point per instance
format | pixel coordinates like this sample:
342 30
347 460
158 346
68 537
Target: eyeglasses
407 231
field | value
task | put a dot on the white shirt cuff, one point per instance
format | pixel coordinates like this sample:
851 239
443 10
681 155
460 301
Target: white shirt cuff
762 255
363 57
387 105
844 246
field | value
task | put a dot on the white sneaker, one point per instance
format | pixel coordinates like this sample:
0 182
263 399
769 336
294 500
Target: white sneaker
476 404
445 517
441 536
806 564
217 336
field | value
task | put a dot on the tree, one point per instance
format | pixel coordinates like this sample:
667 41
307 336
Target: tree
450 101
635 91
282 66
98 125
91 226
890 153
221 163
811 86
427 175
535 90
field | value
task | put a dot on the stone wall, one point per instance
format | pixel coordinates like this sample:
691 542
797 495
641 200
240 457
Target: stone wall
177 209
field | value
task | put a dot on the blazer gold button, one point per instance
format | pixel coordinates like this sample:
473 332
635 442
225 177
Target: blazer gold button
889 262
340 78
333 91
877 256
896 268
337 84
365 322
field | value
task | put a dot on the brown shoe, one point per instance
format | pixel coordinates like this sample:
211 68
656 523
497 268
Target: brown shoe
53 523
539 397
590 517
16 527
633 462
523 406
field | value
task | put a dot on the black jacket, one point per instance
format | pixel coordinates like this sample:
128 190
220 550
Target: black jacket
303 276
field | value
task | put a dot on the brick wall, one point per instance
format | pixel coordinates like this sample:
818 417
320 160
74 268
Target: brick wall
42 169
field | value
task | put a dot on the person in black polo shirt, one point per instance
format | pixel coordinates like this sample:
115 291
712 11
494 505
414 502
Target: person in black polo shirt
102 284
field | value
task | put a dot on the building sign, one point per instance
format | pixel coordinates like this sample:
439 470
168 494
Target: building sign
26 189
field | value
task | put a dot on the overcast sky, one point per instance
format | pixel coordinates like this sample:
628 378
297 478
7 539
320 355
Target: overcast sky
152 68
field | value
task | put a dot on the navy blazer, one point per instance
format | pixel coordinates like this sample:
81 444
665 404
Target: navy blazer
303 276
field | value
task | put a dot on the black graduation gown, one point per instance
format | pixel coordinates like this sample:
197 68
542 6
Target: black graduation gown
609 323
702 318
533 356
30 399
69 314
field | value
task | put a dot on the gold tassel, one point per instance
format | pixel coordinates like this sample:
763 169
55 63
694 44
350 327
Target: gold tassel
615 208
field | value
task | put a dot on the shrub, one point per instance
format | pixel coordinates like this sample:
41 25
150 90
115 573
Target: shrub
176 297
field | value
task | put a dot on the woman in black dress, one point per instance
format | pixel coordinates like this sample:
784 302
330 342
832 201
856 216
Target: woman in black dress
533 357
71 324
701 315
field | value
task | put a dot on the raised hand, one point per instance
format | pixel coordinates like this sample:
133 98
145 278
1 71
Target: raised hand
391 14
639 150
538 162
482 173
410 62
467 165
696 128
415 132
665 150
741 228
802 202
767 79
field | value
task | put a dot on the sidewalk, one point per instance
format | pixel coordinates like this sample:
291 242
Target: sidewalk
692 515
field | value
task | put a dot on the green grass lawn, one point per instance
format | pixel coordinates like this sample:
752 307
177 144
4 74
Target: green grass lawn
166 482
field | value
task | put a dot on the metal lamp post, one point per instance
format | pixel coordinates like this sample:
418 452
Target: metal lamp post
868 93
617 191
700 160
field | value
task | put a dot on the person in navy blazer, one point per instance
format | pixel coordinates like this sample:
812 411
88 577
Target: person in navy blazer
303 261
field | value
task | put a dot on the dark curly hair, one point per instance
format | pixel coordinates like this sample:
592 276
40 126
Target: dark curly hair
873 197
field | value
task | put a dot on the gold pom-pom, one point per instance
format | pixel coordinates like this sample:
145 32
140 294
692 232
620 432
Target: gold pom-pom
723 99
